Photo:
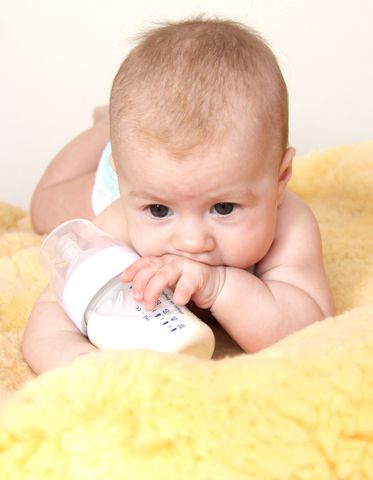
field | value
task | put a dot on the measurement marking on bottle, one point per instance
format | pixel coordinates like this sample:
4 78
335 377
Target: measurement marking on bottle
164 323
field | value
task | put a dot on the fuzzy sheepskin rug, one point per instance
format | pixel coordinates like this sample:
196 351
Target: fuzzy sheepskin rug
301 409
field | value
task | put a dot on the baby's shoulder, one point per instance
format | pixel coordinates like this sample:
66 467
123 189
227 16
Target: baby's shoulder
294 215
295 257
297 239
112 221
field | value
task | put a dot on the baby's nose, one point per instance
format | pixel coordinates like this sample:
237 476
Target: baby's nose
193 239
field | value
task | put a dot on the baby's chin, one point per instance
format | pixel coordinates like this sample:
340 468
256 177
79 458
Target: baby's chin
241 263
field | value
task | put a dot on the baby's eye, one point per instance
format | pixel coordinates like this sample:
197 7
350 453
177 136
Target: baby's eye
223 208
159 211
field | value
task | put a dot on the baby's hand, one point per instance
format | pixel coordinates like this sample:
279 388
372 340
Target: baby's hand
190 279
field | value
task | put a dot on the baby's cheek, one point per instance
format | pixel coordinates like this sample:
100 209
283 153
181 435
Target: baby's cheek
146 245
239 255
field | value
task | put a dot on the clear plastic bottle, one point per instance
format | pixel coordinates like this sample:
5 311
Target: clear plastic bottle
83 264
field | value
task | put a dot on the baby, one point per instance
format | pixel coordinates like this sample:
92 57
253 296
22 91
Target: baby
199 144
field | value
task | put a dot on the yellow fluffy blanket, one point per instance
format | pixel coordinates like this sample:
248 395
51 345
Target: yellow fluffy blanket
302 409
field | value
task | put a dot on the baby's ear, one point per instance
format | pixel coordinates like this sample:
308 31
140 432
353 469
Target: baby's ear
285 171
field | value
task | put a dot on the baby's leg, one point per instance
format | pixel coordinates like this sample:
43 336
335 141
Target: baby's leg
65 189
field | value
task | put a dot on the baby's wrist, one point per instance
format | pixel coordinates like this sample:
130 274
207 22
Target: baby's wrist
220 280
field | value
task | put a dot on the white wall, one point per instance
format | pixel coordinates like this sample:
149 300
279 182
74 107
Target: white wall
58 59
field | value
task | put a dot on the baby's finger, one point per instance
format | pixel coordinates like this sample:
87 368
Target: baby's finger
165 277
142 279
187 285
130 272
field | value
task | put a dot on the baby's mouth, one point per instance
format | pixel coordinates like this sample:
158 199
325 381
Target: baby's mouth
201 258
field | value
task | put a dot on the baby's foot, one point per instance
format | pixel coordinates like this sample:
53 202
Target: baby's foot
101 114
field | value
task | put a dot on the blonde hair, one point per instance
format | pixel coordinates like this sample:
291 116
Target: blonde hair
182 84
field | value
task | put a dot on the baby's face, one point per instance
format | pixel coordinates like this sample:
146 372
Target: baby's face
217 206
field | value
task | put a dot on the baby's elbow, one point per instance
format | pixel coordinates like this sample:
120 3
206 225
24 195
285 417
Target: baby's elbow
326 306
329 309
251 349
260 342
287 325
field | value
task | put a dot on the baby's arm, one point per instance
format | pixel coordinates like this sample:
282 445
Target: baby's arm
51 339
289 290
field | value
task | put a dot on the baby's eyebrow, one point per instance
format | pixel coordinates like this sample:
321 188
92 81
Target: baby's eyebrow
215 196
236 192
138 193
147 195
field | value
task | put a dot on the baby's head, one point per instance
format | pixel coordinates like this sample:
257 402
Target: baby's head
186 84
193 102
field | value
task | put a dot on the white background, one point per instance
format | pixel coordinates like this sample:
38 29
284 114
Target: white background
58 59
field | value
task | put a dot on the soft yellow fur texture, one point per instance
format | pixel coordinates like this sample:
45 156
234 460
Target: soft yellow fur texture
302 409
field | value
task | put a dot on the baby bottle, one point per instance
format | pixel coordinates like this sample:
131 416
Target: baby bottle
83 264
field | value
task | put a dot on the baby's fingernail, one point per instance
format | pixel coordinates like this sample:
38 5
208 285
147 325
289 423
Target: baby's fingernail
126 278
137 295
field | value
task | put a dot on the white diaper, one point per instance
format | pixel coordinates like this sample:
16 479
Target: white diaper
105 189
